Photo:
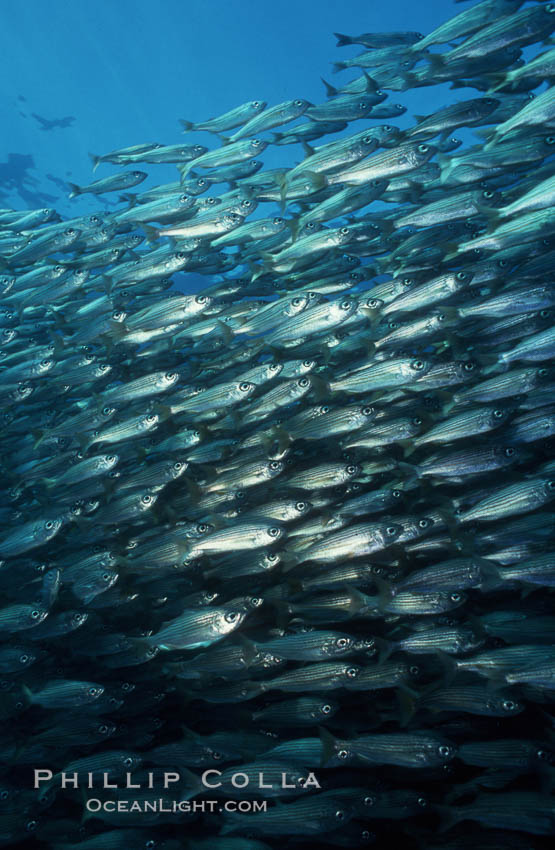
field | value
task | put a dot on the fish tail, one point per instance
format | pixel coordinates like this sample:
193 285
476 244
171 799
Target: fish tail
95 160
342 40
331 91
339 66
187 125
75 190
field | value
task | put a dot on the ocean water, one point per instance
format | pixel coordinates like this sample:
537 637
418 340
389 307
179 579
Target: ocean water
124 72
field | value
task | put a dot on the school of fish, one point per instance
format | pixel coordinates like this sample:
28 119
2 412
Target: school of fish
301 522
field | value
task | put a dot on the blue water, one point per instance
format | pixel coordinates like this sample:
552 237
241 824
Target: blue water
122 72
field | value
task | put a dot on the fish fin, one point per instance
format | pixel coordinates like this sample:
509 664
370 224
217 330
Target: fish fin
358 600
187 125
492 215
225 140
328 745
449 667
225 331
436 60
95 160
163 411
151 233
385 648
320 386
371 84
250 648
75 190
407 706
290 561
342 40
308 149
38 436
331 91
283 613
339 66
385 593
447 817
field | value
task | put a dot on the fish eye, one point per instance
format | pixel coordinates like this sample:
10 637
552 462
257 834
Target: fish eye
487 194
441 317
342 754
202 528
396 494
298 103
542 372
550 8
455 597
200 299
444 751
178 465
417 365
423 523
45 363
367 411
307 364
35 614
303 382
256 104
256 143
497 414
93 692
391 530
351 470
273 532
417 420
231 616
274 464
367 141
296 302
509 452
414 670
545 314
244 386
550 140
340 814
146 499
550 485
300 506
49 525
351 672
31 825
468 366
423 148
422 802
508 705
363 105
150 845
344 231
374 303
342 643
23 658
461 275
326 709
151 418
542 755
